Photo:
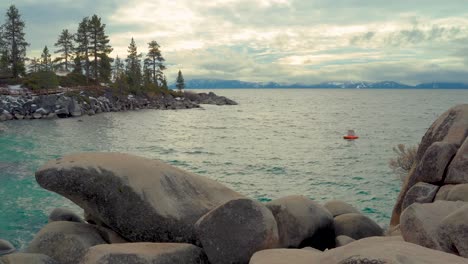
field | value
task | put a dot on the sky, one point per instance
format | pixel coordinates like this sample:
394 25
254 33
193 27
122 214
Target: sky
286 41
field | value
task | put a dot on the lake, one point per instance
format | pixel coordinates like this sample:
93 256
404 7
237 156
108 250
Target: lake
276 142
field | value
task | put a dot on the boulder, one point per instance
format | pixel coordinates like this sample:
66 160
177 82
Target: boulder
19 258
302 222
62 113
458 192
51 116
458 169
234 231
420 193
337 207
343 240
6 247
443 192
356 226
37 116
41 111
142 253
420 222
65 242
450 128
453 232
64 214
141 199
284 256
434 162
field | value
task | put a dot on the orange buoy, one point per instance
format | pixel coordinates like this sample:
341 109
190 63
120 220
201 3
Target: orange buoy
351 135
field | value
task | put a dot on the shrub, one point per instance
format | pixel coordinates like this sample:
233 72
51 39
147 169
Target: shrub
405 159
72 79
41 80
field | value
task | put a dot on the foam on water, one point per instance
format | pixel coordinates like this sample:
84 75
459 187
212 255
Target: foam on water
275 143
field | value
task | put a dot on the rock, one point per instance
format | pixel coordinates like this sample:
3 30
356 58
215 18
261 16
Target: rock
302 222
458 169
19 116
76 114
6 247
434 162
443 192
41 111
458 193
420 193
343 240
336 208
453 232
420 222
284 256
63 214
91 112
65 242
51 116
37 116
19 258
142 253
356 226
450 128
139 198
393 231
234 231
62 113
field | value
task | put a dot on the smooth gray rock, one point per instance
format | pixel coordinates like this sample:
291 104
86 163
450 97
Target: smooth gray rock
420 193
302 222
434 162
453 232
234 231
458 192
450 128
443 192
65 242
64 214
37 116
337 207
25 258
356 226
343 240
41 111
419 223
284 256
141 199
145 253
458 169
6 247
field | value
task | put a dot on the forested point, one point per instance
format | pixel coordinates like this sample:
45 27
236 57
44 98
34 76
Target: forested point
81 59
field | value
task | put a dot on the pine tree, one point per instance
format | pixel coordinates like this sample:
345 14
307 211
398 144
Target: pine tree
82 40
118 69
99 49
155 62
133 66
180 84
13 35
46 60
34 65
65 48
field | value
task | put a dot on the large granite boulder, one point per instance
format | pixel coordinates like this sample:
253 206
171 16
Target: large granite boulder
458 169
139 198
356 226
234 231
6 247
65 242
450 130
374 250
420 223
64 214
458 192
443 192
421 192
453 232
343 240
337 207
302 222
25 258
145 253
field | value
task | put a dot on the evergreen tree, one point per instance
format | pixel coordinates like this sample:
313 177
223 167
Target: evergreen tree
133 66
180 84
65 48
13 36
46 60
77 65
118 69
3 55
147 75
82 49
34 65
99 49
155 62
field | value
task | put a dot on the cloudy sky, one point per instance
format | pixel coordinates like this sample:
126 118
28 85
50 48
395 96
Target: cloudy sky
307 41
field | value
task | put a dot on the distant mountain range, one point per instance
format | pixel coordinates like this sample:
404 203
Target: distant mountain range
224 84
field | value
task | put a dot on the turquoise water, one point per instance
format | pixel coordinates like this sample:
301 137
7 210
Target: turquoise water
274 143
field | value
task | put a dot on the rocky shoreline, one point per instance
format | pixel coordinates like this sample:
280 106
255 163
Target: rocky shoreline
138 210
64 105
